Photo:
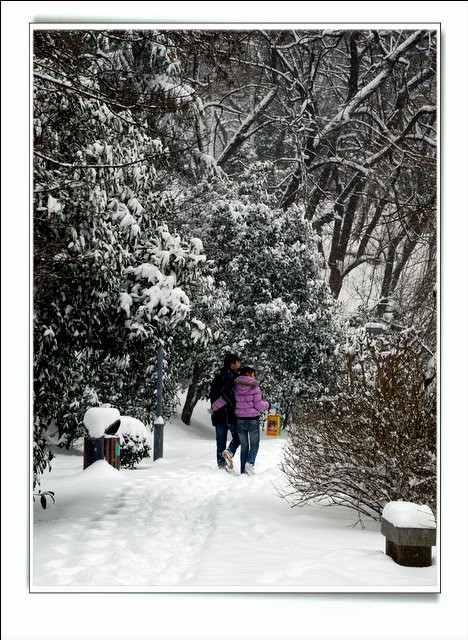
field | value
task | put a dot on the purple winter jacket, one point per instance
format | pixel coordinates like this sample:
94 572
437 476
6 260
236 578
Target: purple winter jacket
249 403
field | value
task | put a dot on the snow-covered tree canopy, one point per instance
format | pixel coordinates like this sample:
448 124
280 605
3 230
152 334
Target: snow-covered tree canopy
111 279
283 317
222 190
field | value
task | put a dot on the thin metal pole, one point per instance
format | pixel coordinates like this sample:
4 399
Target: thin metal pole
159 425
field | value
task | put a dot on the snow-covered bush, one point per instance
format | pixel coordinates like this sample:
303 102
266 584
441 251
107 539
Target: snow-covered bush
111 279
280 315
374 441
134 442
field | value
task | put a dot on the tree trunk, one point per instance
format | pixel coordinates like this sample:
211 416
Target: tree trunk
385 290
193 394
245 131
343 225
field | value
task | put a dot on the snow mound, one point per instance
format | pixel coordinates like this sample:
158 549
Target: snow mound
132 427
97 419
99 469
409 514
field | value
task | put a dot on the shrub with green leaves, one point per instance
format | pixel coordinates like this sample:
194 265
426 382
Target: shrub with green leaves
134 442
280 314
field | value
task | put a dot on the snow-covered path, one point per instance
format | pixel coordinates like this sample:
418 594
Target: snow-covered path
153 531
180 522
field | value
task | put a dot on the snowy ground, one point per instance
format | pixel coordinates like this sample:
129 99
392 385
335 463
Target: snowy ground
196 616
179 522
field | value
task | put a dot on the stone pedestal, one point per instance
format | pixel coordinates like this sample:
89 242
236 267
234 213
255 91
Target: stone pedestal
409 546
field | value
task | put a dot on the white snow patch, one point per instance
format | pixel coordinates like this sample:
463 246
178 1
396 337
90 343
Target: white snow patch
97 419
99 470
198 245
132 427
126 302
409 514
53 205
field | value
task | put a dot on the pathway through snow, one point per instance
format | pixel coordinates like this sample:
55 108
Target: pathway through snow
180 522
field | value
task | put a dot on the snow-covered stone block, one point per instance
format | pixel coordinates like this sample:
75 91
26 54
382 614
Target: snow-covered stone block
409 514
410 532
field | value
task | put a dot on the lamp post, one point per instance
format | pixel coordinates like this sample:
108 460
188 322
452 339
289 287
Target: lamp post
158 433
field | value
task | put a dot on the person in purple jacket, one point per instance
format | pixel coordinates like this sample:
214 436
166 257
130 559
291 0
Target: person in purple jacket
249 406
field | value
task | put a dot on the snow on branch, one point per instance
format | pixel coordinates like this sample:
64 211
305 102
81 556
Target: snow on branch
79 90
242 133
361 96
69 165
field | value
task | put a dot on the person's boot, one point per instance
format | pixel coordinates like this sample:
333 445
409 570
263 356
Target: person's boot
228 457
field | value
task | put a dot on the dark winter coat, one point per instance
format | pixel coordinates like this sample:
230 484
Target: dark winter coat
223 387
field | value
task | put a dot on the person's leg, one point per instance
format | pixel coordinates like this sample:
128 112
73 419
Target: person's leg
242 426
254 438
221 439
235 442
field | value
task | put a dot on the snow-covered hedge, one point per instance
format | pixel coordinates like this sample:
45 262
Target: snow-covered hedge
134 441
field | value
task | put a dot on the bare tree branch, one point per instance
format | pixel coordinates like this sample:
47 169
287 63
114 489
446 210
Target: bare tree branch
243 132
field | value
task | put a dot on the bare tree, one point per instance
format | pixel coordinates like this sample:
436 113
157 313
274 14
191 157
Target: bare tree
356 112
373 442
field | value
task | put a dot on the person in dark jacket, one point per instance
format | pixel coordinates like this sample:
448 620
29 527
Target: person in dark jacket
249 404
224 417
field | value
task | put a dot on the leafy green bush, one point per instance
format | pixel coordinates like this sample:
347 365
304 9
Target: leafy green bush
134 442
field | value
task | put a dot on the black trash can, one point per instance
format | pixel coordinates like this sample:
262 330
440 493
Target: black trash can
107 447
93 450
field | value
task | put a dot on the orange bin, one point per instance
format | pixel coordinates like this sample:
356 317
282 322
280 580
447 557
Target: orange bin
273 425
